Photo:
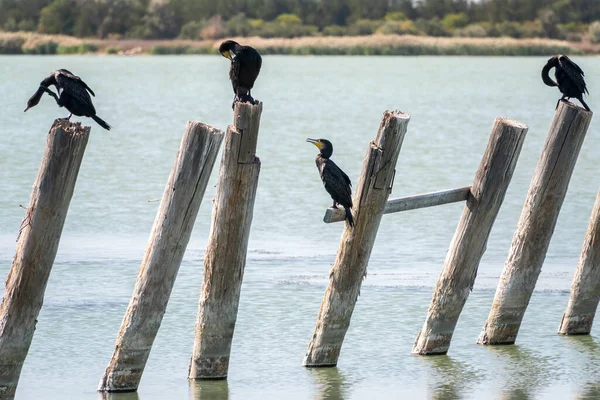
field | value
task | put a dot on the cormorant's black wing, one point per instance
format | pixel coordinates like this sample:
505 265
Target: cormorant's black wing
337 183
250 64
70 75
76 88
574 72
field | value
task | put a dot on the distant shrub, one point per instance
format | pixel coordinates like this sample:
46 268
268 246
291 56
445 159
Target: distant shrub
406 27
214 28
573 27
11 45
112 50
238 25
455 21
431 27
594 32
191 30
363 27
288 29
549 21
42 48
288 19
473 30
10 25
334 30
395 16
510 29
532 29
27 25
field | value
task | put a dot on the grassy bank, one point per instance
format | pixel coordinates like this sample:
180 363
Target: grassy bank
32 43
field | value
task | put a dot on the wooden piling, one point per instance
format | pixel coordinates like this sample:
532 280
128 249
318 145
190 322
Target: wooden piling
536 224
349 269
225 256
585 290
37 245
470 239
167 244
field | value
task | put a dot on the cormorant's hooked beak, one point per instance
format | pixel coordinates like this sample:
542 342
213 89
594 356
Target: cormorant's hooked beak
316 142
27 109
228 54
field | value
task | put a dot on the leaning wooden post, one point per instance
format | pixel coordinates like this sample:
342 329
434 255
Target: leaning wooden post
470 239
37 246
169 238
225 256
350 267
536 224
585 290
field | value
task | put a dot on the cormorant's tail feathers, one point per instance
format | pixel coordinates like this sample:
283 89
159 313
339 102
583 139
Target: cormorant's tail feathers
349 217
584 103
101 122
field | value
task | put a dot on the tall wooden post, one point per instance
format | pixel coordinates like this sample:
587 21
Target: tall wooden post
350 267
585 290
169 238
470 239
37 246
536 224
225 256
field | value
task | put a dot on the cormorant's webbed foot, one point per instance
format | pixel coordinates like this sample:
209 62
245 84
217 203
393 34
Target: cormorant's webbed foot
335 205
248 99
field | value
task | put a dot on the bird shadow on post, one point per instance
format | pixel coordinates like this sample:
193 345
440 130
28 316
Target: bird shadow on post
167 244
470 239
225 257
349 269
37 245
585 290
536 224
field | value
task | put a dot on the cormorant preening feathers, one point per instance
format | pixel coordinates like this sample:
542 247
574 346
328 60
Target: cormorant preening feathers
244 69
72 94
569 78
336 182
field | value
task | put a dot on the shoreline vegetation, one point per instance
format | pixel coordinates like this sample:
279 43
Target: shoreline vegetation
376 44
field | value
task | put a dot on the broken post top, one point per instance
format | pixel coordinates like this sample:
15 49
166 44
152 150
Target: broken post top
390 120
510 122
72 128
246 121
573 107
201 127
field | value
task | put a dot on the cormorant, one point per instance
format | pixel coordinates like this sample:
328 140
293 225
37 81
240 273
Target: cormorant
336 182
569 78
244 69
72 94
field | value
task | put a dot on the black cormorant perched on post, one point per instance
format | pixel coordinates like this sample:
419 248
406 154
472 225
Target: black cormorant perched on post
569 78
245 66
72 94
336 182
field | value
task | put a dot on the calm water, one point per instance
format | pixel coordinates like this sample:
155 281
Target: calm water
453 103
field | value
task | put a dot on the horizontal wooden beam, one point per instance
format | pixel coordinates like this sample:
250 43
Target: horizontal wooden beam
409 202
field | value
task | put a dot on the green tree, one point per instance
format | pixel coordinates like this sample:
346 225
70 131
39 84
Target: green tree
58 17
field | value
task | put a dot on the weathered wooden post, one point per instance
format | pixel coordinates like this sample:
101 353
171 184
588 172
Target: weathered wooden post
470 239
349 269
585 290
169 238
225 256
536 224
37 246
